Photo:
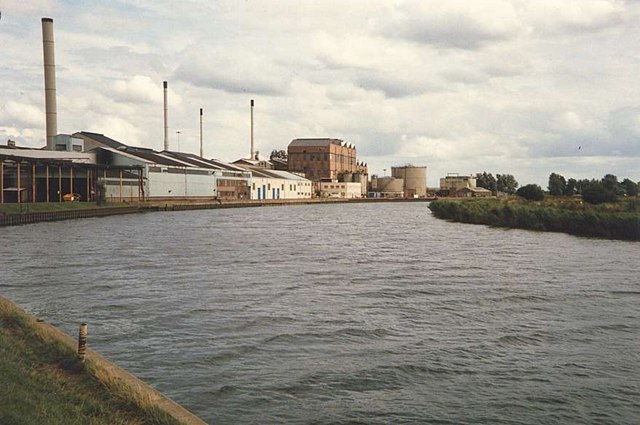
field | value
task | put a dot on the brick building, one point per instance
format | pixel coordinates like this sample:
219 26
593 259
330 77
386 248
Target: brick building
323 158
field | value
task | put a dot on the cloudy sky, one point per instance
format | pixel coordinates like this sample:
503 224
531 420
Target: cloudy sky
523 87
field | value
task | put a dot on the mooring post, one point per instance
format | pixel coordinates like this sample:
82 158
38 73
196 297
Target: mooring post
82 341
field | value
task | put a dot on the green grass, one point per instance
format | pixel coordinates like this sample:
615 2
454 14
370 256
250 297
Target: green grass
568 215
14 208
43 382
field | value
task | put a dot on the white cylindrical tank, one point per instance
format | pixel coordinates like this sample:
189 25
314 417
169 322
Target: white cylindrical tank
415 179
390 184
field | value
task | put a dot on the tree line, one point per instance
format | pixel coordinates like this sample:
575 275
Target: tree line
505 183
594 191
607 189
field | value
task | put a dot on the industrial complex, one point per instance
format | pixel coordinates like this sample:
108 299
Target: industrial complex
89 166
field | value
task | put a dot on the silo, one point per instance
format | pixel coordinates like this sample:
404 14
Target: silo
374 182
415 179
347 177
390 185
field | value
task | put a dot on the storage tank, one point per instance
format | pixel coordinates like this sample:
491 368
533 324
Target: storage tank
374 182
390 184
347 177
415 179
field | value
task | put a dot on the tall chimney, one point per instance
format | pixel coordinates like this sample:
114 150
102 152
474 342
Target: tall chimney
51 109
251 157
166 123
201 154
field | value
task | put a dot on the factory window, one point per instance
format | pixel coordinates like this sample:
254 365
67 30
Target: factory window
283 186
253 186
269 186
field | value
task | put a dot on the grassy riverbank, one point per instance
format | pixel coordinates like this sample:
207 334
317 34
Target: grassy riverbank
42 381
614 221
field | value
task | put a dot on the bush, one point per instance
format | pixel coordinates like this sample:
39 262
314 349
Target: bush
598 194
531 192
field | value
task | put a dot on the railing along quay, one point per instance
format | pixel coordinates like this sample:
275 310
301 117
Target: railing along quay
36 217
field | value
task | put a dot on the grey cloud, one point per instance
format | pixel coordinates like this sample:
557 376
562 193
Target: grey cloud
231 83
392 86
234 72
462 35
452 25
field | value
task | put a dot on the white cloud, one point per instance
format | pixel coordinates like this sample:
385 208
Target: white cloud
574 15
143 89
23 115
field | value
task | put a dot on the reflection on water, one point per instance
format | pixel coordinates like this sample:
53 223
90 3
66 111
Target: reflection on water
340 313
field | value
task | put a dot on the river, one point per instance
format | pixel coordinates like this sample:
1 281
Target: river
364 313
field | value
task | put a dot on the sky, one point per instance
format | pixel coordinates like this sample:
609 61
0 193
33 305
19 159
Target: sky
522 87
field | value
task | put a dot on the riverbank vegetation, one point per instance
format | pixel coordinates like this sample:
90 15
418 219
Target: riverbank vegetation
42 381
571 215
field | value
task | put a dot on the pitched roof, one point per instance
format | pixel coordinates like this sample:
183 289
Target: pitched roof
315 142
101 138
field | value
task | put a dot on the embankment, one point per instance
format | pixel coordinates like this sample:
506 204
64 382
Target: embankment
59 213
613 222
56 215
43 381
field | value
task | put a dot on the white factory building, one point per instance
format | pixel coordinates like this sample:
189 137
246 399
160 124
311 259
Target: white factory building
166 175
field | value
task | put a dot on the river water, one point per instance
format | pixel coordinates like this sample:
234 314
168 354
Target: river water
365 313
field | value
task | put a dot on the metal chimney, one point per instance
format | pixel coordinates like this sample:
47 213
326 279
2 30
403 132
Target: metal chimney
51 109
252 150
201 154
166 123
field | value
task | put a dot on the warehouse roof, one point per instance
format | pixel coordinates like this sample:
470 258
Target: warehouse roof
102 139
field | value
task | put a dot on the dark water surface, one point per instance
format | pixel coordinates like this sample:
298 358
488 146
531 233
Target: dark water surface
345 313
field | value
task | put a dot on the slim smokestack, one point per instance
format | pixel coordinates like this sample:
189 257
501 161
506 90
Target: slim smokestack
201 154
166 122
252 150
51 108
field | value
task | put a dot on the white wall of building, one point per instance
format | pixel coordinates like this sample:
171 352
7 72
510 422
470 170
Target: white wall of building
167 185
340 190
275 188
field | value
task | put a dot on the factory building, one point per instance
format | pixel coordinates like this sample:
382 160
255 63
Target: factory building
414 180
323 158
454 182
170 175
338 189
277 184
36 175
456 185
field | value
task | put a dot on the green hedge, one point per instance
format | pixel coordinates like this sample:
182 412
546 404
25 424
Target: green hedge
614 223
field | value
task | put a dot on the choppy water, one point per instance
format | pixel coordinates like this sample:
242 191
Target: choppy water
345 313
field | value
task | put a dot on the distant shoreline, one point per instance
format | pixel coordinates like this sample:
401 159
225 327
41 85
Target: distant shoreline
614 221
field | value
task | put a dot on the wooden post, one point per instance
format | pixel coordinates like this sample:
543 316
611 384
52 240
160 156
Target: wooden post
59 183
71 179
33 183
2 182
19 178
139 184
121 186
82 341
88 192
47 173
